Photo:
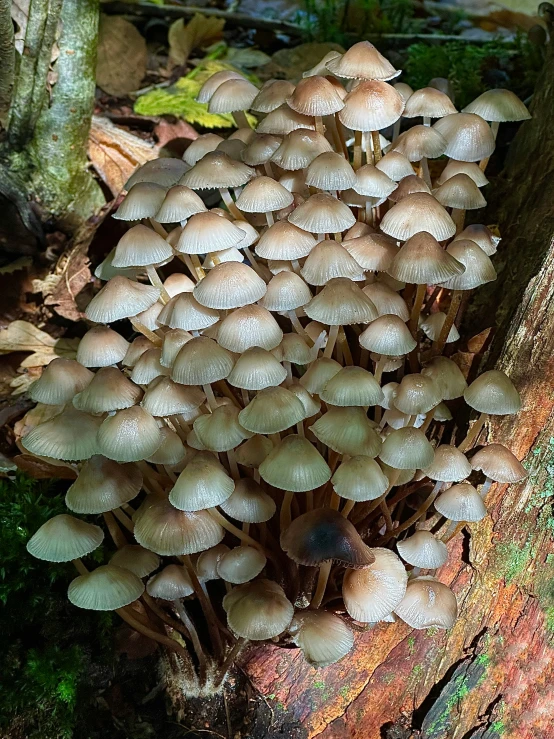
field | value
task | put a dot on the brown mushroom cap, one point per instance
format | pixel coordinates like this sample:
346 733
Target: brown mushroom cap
493 392
499 464
323 637
323 534
362 61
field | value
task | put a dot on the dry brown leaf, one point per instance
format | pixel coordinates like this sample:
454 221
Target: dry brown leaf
122 56
116 153
22 336
42 469
197 33
477 343
37 415
165 131
21 383
75 274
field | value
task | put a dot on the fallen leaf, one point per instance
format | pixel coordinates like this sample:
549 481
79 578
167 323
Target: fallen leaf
246 58
165 131
115 153
21 383
122 56
478 342
75 274
40 469
34 417
196 34
22 336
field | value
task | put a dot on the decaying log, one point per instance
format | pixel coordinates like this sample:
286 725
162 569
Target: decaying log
493 675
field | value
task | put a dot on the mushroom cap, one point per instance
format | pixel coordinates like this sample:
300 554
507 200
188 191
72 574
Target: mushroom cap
341 303
103 485
106 588
217 170
373 593
468 137
329 259
424 550
347 430
471 169
206 564
322 535
359 478
362 61
416 394
449 465
286 291
404 219
207 232
163 529
108 390
63 538
407 186
101 346
148 367
141 246
407 448
432 327
253 452
283 240
70 435
420 142
395 165
220 431
272 410
447 376
171 583
263 194
214 81
120 298
202 145
428 102
422 261
284 120
260 149
202 484
388 335
311 405
60 381
498 105
164 397
234 94
352 386
258 610
460 191
493 392
299 148
240 565
136 349
371 182
386 300
482 236
318 374
499 464
130 435
373 251
138 560
323 637
248 503
461 502
256 369
295 465
478 267
330 171
428 603
165 171
315 96
322 213
171 451
201 361
371 106
273 94
230 285
249 326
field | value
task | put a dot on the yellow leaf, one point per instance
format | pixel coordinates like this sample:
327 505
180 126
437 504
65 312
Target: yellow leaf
22 336
198 32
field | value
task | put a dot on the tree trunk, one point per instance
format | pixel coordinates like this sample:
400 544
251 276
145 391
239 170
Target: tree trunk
492 675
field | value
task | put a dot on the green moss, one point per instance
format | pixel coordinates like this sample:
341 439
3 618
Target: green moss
319 684
344 691
411 644
513 559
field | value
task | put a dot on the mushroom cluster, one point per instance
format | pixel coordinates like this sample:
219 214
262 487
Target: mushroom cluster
276 454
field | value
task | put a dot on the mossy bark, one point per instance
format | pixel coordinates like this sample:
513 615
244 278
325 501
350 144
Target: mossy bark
48 131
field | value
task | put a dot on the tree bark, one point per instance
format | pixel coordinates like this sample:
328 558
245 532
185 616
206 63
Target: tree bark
7 58
491 676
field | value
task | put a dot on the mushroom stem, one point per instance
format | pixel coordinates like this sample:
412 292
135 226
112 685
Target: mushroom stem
200 274
155 281
494 129
428 419
115 532
455 301
141 329
348 507
343 342
183 615
298 327
486 487
149 474
262 271
124 519
379 367
426 120
427 503
285 516
319 127
376 146
79 566
235 474
340 132
230 203
269 170
160 613
187 261
425 175
386 513
166 641
210 397
269 218
357 163
158 228
331 341
453 530
416 308
241 119
334 503
228 526
229 659
324 572
396 129
473 433
205 604
458 215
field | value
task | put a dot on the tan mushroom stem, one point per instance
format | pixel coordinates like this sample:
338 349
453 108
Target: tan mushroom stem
379 367
423 508
115 532
162 615
453 531
212 402
196 643
340 132
458 216
376 145
285 515
319 127
473 433
425 174
357 162
124 519
455 300
205 604
231 205
298 327
232 529
331 341
323 577
155 280
241 119
419 297
239 645
141 329
187 261
79 566
166 641
158 228
494 129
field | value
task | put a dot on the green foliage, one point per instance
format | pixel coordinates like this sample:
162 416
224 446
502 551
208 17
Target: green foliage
474 68
180 99
44 648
